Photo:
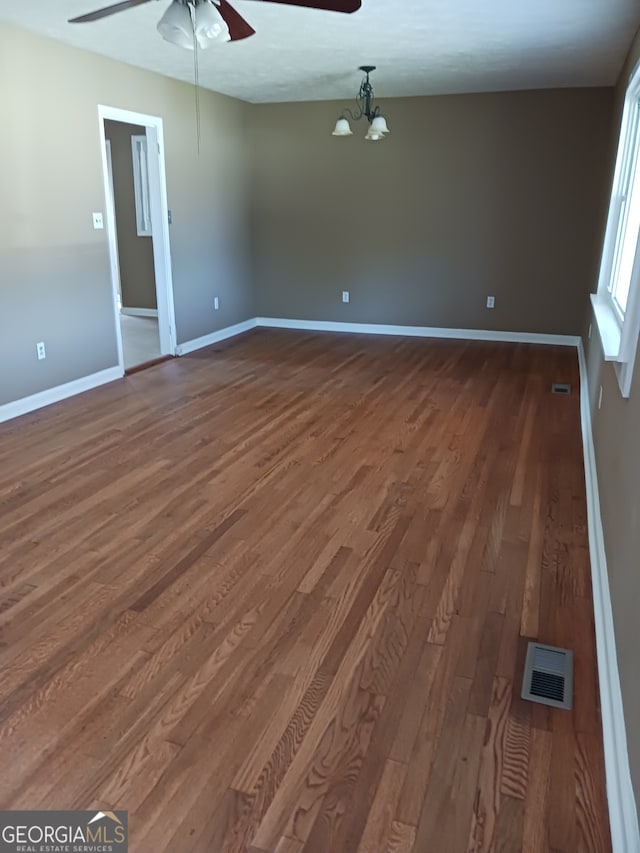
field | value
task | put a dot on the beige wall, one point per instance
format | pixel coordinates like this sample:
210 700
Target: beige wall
55 282
470 196
616 430
135 254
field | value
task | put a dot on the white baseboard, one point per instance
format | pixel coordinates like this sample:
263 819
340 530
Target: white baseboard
418 331
140 312
623 817
215 337
60 392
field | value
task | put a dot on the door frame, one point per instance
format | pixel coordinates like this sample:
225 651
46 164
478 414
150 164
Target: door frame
159 222
111 219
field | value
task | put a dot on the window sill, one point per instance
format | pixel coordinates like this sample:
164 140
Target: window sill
608 327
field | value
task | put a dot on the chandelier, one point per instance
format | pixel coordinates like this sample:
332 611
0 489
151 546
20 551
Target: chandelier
364 107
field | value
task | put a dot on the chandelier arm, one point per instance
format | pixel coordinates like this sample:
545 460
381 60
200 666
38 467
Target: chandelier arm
353 116
370 112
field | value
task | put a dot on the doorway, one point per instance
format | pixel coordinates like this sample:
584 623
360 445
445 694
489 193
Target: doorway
137 223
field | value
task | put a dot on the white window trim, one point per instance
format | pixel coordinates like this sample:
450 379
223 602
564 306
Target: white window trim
141 185
619 337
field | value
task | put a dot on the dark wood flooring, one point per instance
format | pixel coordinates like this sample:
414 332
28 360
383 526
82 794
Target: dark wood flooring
275 597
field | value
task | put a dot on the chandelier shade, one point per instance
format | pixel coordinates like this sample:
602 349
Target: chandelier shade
176 27
379 125
342 128
209 25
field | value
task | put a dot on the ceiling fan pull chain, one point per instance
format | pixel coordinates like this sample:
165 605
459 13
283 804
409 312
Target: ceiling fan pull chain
196 78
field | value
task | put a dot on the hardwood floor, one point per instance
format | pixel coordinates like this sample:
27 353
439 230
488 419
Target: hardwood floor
275 597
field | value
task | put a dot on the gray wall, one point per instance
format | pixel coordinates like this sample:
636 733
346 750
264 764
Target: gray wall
470 196
477 195
616 429
135 254
55 281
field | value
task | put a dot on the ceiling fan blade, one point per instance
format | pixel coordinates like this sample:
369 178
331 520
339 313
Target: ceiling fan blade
109 10
347 6
238 27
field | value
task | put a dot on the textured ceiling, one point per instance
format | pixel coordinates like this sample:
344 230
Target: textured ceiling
420 47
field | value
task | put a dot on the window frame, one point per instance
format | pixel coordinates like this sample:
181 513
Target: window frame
619 330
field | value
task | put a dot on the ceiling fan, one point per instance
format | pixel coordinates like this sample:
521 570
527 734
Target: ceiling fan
209 20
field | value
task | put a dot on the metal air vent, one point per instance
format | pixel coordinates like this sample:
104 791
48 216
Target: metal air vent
560 388
548 676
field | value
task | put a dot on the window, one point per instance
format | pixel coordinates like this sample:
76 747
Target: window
141 185
617 302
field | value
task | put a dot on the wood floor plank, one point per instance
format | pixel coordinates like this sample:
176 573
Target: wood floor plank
488 650
401 838
428 736
413 711
536 805
449 802
591 812
482 836
509 825
380 821
390 724
276 595
345 677
335 769
563 829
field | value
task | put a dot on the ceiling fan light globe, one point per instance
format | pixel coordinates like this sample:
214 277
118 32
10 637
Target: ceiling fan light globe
342 128
379 125
209 25
175 25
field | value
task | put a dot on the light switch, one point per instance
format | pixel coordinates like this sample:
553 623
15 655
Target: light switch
97 221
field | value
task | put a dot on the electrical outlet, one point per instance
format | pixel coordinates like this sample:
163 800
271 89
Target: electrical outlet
216 303
345 295
491 302
41 350
97 221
